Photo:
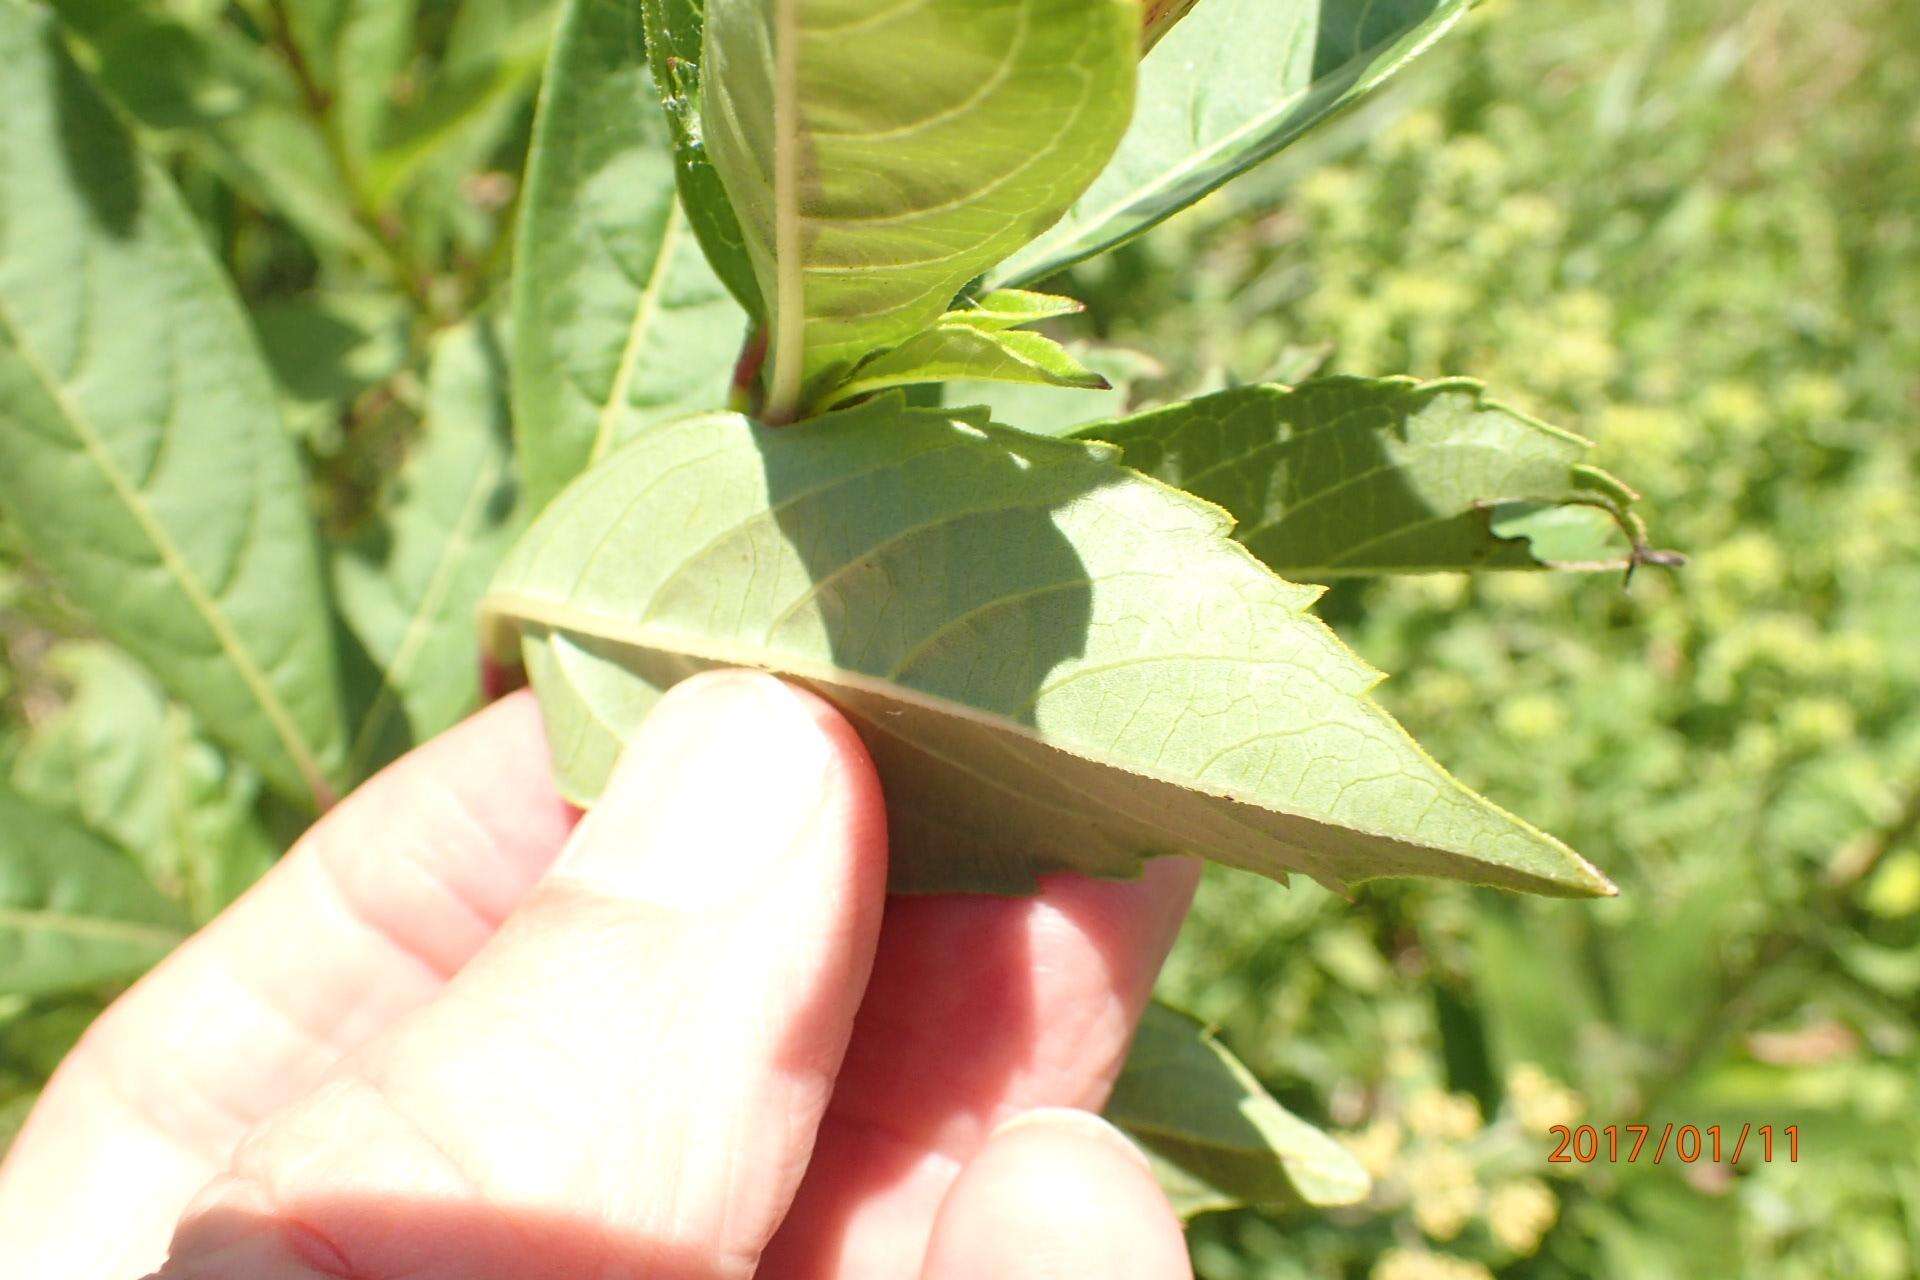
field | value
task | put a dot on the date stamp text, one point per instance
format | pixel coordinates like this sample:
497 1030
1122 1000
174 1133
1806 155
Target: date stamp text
1687 1143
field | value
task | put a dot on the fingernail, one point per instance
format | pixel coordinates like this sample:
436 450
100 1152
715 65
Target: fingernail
1080 1124
722 782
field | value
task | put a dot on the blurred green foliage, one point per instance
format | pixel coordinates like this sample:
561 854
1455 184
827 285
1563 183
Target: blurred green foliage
1689 228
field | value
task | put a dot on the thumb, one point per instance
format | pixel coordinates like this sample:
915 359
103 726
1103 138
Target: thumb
1056 1194
628 1078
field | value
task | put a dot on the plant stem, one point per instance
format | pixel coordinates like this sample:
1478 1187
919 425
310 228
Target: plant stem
1856 859
746 370
410 276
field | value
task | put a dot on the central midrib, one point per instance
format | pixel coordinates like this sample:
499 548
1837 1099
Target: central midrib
519 608
28 921
646 308
175 562
789 322
459 539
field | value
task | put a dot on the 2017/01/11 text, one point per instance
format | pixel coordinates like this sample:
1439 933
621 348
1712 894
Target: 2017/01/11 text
1688 1143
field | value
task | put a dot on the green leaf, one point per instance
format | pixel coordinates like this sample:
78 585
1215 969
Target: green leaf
134 768
328 349
169 73
409 586
14 1110
227 98
964 350
74 913
470 101
353 51
674 39
1012 308
1343 476
1217 1138
880 159
1060 411
35 1037
371 42
312 30
142 457
618 320
39 1033
1057 664
1233 84
481 27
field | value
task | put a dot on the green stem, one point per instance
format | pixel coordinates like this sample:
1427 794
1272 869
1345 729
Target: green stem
1857 858
396 258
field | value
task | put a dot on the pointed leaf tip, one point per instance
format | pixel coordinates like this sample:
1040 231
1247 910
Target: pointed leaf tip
1057 663
1346 476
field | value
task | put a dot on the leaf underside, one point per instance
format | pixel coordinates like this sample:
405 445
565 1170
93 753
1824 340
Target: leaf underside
619 321
1012 308
958 350
1056 663
879 158
1231 85
1060 411
1217 1138
1346 476
142 455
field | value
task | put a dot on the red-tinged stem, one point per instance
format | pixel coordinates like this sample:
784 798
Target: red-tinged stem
746 371
498 679
1158 18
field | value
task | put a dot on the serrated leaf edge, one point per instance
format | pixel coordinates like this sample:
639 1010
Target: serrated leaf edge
1613 496
501 612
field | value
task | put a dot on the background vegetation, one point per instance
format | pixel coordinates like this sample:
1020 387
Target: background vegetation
1685 227
1677 226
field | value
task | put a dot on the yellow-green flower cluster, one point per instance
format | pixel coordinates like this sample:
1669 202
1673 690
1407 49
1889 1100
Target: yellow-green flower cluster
1434 1157
1421 1264
1519 1213
1445 1191
1698 251
1539 1101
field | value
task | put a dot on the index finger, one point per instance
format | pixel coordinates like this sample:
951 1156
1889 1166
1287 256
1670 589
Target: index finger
980 1008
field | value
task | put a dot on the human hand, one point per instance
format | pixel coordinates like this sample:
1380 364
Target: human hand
432 1044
